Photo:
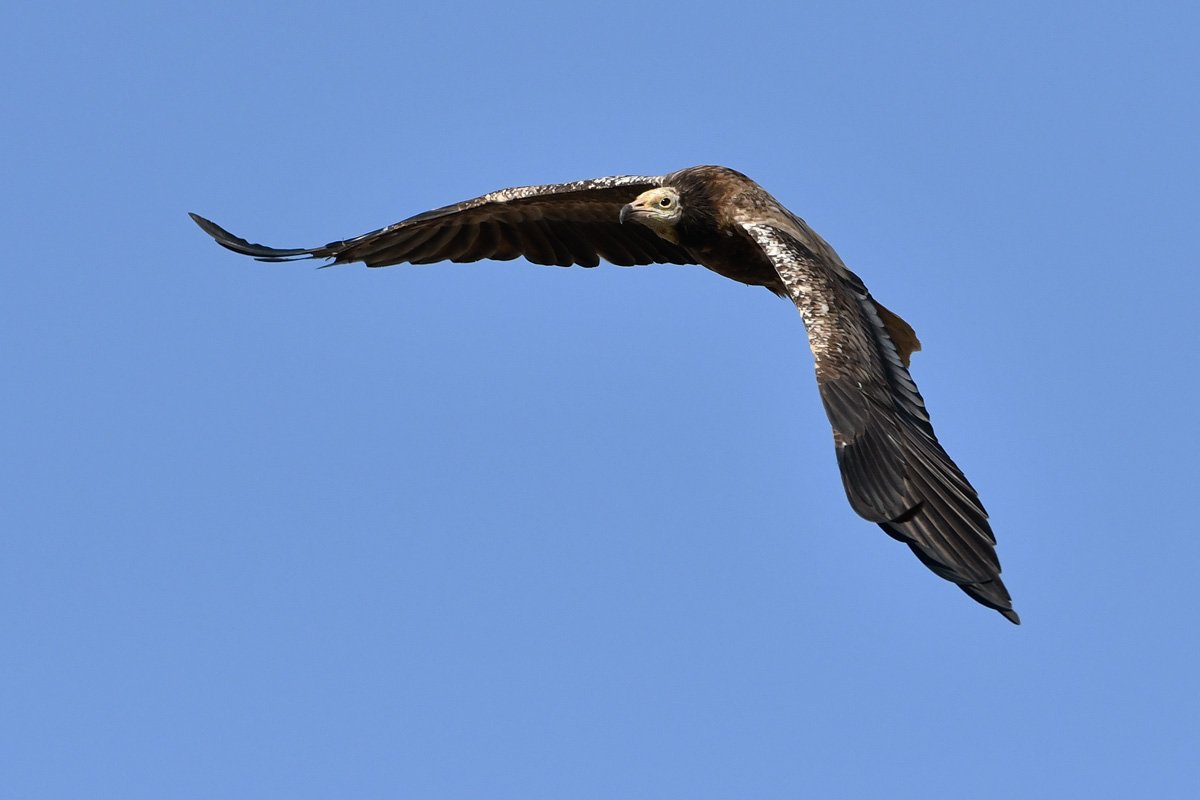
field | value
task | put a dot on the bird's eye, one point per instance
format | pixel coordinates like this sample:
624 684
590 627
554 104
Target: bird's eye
665 202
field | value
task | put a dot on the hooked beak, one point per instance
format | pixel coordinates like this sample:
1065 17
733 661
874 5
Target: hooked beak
635 211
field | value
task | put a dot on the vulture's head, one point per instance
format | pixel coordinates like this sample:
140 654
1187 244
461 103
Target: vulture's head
658 209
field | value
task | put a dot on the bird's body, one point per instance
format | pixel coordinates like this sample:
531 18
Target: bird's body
894 471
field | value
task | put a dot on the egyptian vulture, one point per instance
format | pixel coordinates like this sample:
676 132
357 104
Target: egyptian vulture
894 471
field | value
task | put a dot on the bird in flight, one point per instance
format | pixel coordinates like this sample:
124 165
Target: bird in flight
894 471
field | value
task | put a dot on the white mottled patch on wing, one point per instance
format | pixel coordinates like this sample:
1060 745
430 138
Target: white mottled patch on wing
832 317
846 334
809 287
521 192
524 202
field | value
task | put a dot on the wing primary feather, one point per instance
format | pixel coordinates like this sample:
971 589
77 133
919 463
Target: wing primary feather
240 245
391 247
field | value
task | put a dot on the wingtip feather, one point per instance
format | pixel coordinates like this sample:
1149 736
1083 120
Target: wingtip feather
240 245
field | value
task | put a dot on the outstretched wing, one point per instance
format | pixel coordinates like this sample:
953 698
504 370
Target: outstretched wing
562 224
894 471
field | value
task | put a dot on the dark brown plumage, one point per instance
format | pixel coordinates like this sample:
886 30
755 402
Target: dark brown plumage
894 471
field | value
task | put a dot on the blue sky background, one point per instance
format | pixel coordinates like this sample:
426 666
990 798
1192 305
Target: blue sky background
500 530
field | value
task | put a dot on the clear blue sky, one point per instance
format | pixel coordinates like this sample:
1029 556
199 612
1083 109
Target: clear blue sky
507 531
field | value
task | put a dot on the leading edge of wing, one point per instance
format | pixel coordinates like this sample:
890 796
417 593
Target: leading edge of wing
518 194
